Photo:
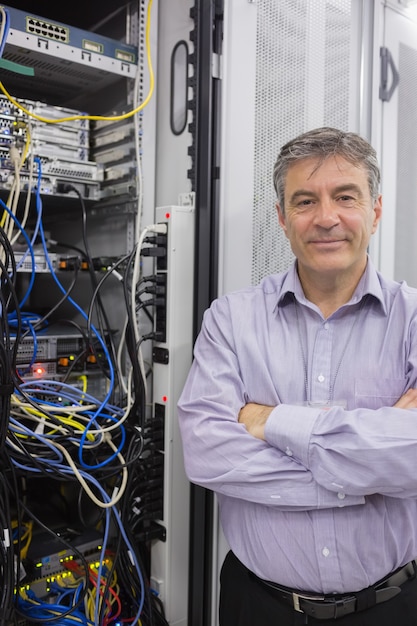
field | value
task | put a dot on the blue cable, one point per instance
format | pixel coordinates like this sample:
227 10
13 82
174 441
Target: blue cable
18 427
111 369
39 227
46 386
6 30
22 428
73 394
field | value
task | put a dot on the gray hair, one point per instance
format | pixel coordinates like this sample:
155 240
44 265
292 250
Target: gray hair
321 143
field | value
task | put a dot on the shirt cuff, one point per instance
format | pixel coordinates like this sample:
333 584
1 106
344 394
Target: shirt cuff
289 428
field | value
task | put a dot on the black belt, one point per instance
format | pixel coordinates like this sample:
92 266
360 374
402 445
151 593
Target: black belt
335 606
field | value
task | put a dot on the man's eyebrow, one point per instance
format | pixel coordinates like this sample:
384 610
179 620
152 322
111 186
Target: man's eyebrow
301 193
307 193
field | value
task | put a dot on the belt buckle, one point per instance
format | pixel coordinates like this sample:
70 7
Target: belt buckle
296 600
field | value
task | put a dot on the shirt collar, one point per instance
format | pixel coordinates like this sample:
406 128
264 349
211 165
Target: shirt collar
369 284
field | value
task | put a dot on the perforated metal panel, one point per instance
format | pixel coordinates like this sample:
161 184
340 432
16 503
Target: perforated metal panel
304 79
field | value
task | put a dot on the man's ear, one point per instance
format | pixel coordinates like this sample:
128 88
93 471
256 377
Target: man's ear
377 212
281 217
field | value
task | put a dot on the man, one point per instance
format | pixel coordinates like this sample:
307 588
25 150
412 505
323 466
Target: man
299 410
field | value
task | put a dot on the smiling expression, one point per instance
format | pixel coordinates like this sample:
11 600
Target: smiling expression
329 217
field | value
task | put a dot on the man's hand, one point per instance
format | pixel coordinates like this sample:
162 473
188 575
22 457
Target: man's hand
254 417
408 400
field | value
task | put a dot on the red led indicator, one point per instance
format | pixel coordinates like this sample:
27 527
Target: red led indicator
167 215
164 398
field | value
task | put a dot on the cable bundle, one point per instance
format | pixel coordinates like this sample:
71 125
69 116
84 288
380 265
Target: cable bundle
89 452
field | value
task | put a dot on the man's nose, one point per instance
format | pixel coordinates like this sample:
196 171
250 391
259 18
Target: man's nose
326 214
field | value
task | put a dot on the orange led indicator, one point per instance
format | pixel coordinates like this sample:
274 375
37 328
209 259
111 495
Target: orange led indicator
167 215
164 398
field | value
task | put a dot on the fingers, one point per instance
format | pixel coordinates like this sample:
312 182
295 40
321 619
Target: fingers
254 417
408 400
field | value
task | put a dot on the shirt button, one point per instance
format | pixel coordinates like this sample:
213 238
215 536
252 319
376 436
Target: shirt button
288 451
320 378
326 326
341 496
325 552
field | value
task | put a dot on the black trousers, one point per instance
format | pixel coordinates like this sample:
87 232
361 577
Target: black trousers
245 602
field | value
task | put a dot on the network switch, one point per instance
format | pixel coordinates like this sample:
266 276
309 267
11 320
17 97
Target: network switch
48 557
41 36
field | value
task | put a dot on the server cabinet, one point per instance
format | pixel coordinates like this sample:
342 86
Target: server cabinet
78 114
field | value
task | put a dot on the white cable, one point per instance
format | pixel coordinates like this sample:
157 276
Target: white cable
24 219
117 494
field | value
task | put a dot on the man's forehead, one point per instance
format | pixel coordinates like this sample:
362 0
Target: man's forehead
336 164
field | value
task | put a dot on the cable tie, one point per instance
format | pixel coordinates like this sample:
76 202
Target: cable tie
131 557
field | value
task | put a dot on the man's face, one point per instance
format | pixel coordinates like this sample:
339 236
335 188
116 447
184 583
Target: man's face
329 216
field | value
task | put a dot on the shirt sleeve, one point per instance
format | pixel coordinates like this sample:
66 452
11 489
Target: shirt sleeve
219 453
358 452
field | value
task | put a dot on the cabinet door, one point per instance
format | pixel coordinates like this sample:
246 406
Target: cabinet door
398 250
287 67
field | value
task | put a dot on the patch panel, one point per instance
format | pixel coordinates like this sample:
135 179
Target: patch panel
49 30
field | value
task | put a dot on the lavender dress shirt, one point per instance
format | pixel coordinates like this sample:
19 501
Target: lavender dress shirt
329 502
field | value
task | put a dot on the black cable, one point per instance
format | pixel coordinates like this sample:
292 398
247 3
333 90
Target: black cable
7 577
138 411
95 297
56 306
101 312
67 246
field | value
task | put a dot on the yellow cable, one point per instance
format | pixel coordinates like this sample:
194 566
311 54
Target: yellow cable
114 118
70 421
83 379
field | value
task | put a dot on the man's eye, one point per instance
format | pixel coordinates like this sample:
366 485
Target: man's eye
347 199
303 203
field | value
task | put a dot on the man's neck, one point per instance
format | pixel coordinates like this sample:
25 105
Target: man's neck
329 293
